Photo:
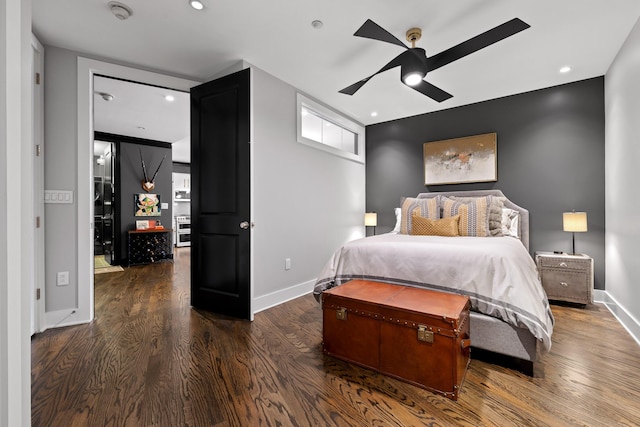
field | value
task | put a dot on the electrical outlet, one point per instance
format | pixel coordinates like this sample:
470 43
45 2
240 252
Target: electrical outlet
287 263
63 278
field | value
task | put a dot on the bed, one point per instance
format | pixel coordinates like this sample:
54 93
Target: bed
488 260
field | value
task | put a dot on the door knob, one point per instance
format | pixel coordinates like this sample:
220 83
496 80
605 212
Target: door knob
244 225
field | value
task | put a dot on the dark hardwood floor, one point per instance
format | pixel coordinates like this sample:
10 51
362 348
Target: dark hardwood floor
148 359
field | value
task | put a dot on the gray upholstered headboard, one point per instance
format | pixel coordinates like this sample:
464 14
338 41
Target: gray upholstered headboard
524 214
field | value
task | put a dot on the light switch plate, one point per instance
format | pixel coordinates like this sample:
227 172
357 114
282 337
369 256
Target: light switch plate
58 196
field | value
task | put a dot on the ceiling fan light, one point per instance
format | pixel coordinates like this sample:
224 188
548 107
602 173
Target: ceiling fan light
413 78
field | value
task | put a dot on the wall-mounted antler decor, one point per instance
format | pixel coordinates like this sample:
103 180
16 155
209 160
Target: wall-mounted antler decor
149 184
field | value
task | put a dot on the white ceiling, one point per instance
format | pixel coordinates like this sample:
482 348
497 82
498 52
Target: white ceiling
277 36
142 111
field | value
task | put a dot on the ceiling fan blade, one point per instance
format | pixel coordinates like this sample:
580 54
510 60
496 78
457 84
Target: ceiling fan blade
431 91
476 43
350 90
374 31
395 62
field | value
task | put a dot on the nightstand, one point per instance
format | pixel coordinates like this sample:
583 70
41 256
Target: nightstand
566 277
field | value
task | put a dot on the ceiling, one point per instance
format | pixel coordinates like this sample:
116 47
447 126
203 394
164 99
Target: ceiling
277 36
142 111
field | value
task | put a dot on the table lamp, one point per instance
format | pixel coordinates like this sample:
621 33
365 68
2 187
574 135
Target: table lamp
575 222
371 220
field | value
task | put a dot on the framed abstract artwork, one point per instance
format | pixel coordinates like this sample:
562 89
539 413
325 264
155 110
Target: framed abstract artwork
459 160
147 204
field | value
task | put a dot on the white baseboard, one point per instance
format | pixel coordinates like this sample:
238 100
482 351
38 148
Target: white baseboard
61 318
631 324
276 298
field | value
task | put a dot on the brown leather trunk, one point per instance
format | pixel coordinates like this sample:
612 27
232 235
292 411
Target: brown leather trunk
417 335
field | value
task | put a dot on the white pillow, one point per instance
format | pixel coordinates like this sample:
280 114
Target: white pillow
398 213
510 223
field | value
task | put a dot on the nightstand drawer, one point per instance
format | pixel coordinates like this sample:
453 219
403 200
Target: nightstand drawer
564 263
567 285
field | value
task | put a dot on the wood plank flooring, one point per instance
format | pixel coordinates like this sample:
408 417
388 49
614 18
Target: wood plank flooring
150 360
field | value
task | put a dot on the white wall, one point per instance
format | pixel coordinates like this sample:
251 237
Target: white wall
306 202
622 107
68 97
16 212
60 174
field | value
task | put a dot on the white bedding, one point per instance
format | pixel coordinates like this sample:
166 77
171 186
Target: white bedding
497 273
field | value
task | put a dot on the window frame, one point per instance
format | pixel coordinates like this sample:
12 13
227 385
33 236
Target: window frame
337 119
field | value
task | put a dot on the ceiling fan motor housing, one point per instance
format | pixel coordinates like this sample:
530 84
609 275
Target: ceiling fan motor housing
415 62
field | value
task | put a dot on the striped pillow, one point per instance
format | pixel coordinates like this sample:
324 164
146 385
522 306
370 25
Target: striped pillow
426 208
474 215
495 212
435 227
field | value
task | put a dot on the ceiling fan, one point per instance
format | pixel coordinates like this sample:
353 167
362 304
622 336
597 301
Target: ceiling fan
414 63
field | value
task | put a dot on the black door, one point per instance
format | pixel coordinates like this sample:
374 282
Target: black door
220 203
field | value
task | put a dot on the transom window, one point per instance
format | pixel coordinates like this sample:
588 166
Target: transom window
327 130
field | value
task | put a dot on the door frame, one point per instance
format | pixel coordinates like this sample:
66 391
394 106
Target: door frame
87 68
37 305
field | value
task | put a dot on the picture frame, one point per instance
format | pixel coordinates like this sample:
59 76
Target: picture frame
142 225
461 160
147 204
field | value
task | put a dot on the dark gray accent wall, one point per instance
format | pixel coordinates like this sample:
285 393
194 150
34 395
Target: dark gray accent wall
550 160
130 174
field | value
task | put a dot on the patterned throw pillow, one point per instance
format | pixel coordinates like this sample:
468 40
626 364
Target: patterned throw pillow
474 215
426 208
495 212
435 227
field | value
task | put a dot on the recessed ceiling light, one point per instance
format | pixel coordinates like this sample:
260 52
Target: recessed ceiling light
169 98
374 114
196 4
565 69
317 24
141 128
106 96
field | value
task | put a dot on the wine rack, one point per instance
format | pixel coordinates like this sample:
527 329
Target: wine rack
149 246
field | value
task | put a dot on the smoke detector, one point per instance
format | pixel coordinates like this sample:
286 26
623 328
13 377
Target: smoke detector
120 10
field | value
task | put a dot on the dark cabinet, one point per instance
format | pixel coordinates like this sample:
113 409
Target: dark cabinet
104 203
149 246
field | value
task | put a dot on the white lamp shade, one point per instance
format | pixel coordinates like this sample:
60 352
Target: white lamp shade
370 219
574 221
